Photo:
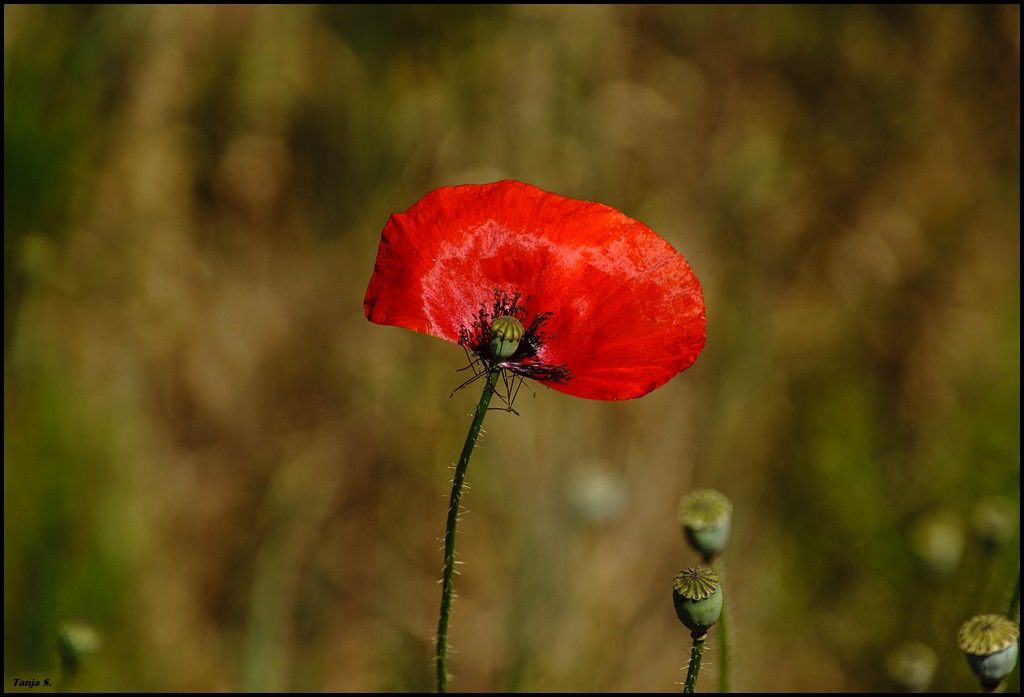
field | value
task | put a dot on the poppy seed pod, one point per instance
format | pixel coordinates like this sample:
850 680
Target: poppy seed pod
506 333
990 643
705 516
697 597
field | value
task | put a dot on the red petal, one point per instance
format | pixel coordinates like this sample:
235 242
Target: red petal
628 313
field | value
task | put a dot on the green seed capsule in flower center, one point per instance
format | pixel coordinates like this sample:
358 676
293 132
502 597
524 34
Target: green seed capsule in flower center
506 333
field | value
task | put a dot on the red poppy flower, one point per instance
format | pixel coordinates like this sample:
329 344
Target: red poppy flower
604 308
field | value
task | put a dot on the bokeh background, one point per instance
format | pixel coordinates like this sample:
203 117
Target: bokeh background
215 461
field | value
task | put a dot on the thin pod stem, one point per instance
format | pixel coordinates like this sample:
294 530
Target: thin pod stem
1014 608
695 655
453 518
724 639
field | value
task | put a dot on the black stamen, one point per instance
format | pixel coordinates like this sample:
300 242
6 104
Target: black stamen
524 362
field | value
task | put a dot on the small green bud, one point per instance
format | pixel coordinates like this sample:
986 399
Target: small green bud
994 521
75 642
596 493
937 540
911 666
506 333
705 516
697 596
990 643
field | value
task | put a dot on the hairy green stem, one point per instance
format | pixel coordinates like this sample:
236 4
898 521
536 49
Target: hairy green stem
695 655
453 519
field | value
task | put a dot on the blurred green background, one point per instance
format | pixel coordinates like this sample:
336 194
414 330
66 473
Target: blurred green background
212 458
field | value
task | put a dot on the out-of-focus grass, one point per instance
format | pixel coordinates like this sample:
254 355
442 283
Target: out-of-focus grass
212 457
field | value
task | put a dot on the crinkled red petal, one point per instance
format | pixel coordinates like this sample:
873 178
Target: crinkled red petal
627 310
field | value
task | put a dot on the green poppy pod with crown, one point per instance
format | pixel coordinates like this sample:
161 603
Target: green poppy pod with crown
697 596
506 333
705 516
990 643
